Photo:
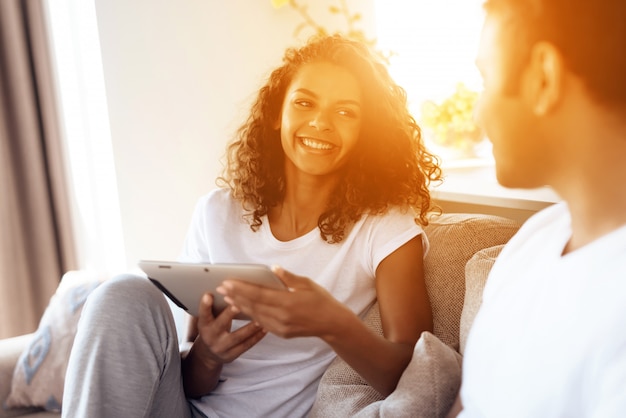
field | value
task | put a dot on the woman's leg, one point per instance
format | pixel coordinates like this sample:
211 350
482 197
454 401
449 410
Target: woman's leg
125 360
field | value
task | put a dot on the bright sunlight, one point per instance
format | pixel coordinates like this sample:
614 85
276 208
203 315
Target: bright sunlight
433 45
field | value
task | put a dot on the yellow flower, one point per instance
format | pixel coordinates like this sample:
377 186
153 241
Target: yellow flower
451 121
279 3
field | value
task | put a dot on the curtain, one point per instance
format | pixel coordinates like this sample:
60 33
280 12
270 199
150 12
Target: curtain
36 239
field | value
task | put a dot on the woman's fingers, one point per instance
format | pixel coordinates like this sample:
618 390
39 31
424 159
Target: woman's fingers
219 343
243 342
297 312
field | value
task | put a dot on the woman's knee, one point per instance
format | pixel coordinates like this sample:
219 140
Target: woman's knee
125 294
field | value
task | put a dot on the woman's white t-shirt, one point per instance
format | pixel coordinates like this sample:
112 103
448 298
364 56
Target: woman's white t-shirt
279 377
550 337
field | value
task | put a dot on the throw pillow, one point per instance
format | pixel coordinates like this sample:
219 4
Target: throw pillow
427 388
430 383
40 371
476 272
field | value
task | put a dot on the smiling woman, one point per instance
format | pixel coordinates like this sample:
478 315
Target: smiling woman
321 119
329 170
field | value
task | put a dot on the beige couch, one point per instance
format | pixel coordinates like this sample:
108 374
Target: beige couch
454 240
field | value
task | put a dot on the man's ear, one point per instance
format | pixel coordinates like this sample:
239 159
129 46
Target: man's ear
544 78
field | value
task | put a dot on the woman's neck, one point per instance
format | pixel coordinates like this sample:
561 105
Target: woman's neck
306 198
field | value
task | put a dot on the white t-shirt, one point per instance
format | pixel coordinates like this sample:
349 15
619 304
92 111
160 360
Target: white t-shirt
550 337
279 377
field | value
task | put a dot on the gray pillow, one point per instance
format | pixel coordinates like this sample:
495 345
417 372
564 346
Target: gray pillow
430 383
476 272
427 387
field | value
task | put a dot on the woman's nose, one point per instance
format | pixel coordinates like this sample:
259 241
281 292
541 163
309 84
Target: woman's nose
321 121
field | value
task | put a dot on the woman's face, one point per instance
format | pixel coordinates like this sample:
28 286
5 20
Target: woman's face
321 118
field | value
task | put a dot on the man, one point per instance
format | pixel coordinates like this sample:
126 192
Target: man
550 338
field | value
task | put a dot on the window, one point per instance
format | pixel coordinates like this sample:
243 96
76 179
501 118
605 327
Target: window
84 118
433 45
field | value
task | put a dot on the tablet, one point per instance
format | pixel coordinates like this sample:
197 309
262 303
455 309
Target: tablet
185 283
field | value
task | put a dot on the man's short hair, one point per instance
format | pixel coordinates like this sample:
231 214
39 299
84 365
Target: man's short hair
590 34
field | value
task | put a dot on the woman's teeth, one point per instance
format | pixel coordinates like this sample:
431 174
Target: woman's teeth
311 143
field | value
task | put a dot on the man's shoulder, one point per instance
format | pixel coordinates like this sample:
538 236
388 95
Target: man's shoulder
551 221
556 214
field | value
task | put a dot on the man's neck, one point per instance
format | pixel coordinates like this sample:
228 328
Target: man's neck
595 191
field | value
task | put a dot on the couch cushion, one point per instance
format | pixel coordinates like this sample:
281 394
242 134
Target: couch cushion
454 239
342 391
476 273
39 375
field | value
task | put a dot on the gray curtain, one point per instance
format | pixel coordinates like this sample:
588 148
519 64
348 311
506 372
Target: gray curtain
36 240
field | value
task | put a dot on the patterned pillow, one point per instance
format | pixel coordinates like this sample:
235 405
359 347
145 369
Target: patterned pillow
40 371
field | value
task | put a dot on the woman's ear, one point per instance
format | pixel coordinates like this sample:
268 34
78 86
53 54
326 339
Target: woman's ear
544 78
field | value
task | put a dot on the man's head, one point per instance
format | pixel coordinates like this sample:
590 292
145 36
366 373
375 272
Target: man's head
532 53
590 35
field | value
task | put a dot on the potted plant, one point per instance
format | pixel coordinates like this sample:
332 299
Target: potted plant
450 123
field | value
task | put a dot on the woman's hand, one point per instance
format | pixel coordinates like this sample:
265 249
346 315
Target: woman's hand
306 309
214 344
217 344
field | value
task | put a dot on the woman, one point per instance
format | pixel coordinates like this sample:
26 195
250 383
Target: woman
329 180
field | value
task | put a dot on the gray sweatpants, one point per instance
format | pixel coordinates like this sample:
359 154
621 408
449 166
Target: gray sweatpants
125 361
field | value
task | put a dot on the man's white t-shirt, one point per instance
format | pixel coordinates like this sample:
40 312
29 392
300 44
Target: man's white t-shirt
550 337
279 377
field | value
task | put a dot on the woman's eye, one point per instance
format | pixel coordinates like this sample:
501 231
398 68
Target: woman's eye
303 103
347 112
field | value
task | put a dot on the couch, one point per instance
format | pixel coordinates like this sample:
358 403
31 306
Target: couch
463 247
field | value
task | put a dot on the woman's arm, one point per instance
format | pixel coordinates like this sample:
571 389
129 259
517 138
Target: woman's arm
405 312
309 310
213 345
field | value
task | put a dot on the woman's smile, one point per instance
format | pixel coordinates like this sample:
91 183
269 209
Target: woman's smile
320 119
316 144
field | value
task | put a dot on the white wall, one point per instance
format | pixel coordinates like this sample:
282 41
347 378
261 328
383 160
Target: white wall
179 77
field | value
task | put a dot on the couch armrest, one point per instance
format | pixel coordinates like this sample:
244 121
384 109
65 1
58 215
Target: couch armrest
10 350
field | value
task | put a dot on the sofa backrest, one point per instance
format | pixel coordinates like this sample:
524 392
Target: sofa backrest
454 238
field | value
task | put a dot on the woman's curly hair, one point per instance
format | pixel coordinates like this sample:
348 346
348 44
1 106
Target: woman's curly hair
389 167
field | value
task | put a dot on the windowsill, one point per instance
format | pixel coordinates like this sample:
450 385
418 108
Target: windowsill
471 185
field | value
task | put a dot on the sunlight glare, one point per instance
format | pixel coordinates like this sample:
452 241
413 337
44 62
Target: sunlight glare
434 44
